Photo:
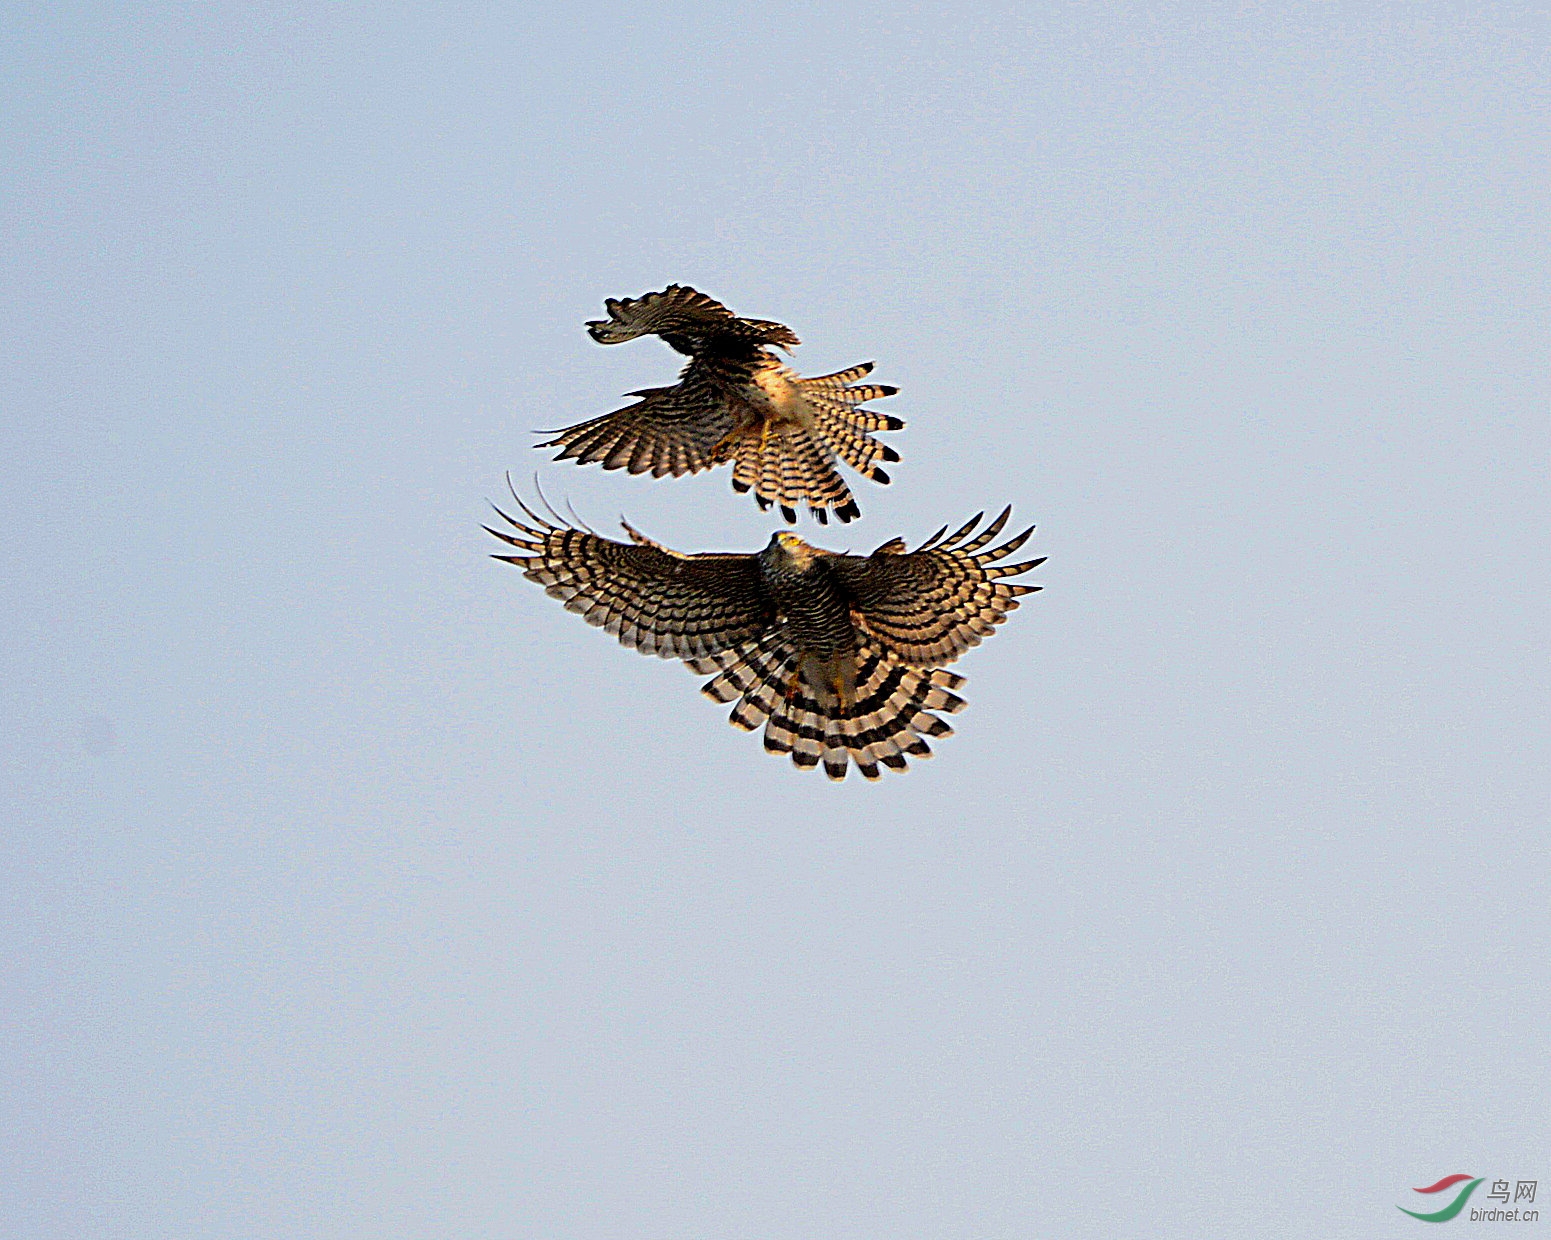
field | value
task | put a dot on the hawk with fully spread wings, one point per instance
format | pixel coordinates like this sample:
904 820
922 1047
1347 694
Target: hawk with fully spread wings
735 401
840 657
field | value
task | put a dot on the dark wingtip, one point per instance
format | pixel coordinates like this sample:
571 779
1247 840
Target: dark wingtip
790 514
879 476
889 389
821 515
889 454
893 424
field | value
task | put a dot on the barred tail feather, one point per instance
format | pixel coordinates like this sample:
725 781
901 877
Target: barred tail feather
886 720
797 727
861 419
856 448
840 745
841 395
839 380
786 465
841 386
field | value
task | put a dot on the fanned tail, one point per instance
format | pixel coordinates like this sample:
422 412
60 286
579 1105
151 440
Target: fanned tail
835 401
855 447
843 388
792 462
840 394
882 722
787 465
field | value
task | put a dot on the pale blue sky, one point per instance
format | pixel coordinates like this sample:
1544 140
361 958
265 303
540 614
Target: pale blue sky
355 889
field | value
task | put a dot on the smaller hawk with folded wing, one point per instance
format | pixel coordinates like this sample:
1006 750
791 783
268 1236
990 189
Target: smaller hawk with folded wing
839 657
736 401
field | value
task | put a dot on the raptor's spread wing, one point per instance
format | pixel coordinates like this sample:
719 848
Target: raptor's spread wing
931 605
656 601
673 430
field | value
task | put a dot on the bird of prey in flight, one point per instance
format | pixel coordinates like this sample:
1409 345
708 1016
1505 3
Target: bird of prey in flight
841 658
736 401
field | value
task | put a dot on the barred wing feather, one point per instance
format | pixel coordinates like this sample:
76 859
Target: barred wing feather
672 430
931 605
658 602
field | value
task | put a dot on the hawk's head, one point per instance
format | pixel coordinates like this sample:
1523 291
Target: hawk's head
791 552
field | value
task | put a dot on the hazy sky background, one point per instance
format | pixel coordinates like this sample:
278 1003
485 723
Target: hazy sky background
352 888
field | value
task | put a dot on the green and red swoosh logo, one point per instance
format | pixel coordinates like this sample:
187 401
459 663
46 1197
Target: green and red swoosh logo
1450 1210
